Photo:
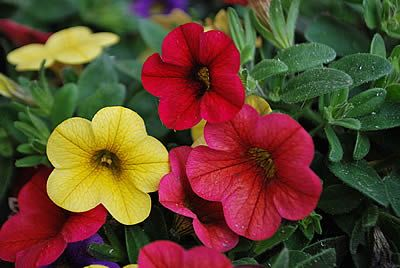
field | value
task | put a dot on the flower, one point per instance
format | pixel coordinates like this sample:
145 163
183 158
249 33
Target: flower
40 232
110 160
20 34
261 9
146 8
76 45
176 194
196 77
220 22
258 168
239 2
258 103
167 254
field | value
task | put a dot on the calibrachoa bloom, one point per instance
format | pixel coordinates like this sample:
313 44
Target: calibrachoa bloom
195 77
167 254
239 2
40 232
110 160
176 194
258 167
20 34
145 8
76 45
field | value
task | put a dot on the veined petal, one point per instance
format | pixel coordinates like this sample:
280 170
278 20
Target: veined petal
71 144
165 254
201 257
30 57
105 39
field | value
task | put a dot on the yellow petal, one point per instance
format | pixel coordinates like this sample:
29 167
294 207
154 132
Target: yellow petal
78 189
105 39
200 141
118 127
145 163
175 18
125 202
131 266
5 86
198 130
95 266
221 21
71 144
30 57
260 104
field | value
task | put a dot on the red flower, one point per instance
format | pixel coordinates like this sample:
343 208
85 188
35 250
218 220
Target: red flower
167 254
20 34
40 232
208 218
196 77
258 167
239 2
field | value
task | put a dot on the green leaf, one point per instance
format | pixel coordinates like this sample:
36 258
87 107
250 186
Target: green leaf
65 102
106 95
31 161
245 261
26 148
282 261
135 238
292 19
357 237
387 117
338 243
324 259
42 96
7 170
306 56
277 22
152 33
378 45
56 11
296 256
263 31
335 147
367 102
372 13
392 184
280 236
6 148
370 217
343 38
334 196
267 68
40 126
28 130
350 123
363 67
360 176
131 68
362 146
105 252
393 93
236 29
313 83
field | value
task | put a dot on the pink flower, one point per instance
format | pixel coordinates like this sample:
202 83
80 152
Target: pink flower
208 219
258 168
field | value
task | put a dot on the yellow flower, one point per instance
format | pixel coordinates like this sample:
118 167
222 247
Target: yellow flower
10 89
76 45
110 161
258 103
172 20
220 22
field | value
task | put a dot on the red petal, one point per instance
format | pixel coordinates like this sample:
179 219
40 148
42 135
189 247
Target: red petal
237 133
81 226
218 52
41 254
202 257
224 100
181 46
285 139
180 112
216 235
163 254
162 79
296 193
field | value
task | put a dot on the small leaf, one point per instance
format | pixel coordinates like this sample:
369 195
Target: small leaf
324 259
7 170
334 196
350 123
152 33
357 237
282 261
131 68
306 56
236 29
135 238
277 22
363 178
362 146
292 19
105 252
267 68
387 117
335 147
370 217
245 261
367 102
363 67
392 184
372 13
31 161
378 45
65 101
280 236
313 83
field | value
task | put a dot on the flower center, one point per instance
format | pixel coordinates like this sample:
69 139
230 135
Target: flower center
107 159
264 160
203 75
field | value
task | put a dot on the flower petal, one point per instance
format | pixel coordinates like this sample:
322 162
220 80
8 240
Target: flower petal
164 254
216 235
200 257
76 138
105 39
30 57
258 103
181 46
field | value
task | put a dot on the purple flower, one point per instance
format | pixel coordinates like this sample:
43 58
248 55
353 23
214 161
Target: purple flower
146 8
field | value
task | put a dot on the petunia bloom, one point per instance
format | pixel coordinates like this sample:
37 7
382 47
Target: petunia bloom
196 77
110 160
40 232
167 254
239 2
146 8
176 194
258 168
20 34
75 45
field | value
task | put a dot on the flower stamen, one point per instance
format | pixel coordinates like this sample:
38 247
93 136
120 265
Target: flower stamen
203 75
264 160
